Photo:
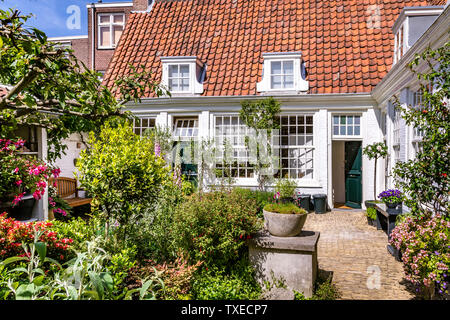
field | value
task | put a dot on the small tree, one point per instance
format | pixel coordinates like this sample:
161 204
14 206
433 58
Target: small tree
375 151
261 116
48 87
122 173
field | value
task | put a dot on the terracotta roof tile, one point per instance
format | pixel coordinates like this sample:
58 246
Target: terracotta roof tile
342 54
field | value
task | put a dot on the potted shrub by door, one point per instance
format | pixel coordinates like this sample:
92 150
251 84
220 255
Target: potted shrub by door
392 198
284 219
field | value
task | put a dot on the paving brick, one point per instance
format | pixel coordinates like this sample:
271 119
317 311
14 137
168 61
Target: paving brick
352 250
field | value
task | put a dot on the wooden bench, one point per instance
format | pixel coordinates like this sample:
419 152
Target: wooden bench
66 187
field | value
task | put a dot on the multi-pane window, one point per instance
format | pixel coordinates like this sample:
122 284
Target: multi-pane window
418 104
282 74
294 145
178 77
110 28
232 158
185 129
346 125
143 123
399 43
396 128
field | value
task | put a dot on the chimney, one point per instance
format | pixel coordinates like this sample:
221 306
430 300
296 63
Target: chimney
142 5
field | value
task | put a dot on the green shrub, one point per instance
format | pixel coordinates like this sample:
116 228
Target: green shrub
324 289
122 173
284 208
371 213
286 188
239 284
260 197
212 227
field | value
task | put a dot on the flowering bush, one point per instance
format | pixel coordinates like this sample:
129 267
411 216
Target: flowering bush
21 174
424 244
13 233
391 196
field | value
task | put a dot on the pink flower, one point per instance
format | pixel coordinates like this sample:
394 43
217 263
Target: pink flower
16 170
19 182
56 172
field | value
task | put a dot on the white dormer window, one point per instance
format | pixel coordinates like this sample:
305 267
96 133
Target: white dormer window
282 72
179 78
183 75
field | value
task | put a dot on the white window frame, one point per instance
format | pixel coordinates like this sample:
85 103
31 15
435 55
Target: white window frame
237 141
282 74
111 24
352 125
183 123
309 167
265 85
139 128
178 65
195 76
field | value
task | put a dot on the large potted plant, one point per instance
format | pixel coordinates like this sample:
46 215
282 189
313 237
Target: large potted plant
374 151
23 179
392 197
284 219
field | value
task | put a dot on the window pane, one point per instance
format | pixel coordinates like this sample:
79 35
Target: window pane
184 71
117 32
276 82
105 19
336 119
342 132
173 71
336 130
288 81
350 130
276 67
349 120
118 19
184 84
357 131
105 40
342 119
173 84
357 119
288 67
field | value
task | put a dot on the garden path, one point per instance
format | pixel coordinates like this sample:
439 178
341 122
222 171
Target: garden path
356 254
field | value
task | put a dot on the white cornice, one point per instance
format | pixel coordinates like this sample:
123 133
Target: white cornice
67 38
110 5
416 11
400 76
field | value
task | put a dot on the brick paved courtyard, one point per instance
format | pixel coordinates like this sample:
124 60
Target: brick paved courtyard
355 252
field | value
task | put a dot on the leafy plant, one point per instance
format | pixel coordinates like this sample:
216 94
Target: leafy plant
212 227
284 208
286 188
123 175
391 196
371 213
424 244
424 179
261 117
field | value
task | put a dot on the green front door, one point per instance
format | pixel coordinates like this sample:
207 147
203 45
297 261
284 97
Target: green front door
353 185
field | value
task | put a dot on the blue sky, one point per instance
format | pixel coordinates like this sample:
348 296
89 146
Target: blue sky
51 16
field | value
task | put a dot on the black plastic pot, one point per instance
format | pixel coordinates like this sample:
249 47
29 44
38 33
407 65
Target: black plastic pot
24 209
304 201
320 203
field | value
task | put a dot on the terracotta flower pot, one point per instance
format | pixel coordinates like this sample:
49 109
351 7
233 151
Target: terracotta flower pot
284 225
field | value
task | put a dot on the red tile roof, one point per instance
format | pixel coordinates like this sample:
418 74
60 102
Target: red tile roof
342 53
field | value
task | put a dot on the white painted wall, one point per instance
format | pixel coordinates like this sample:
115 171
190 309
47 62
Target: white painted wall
338 171
66 162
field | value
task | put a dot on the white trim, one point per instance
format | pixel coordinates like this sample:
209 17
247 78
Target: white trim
67 38
195 65
110 5
111 24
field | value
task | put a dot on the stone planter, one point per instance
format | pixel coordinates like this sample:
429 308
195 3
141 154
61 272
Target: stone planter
284 225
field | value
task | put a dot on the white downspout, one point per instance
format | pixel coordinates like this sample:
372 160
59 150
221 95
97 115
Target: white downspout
93 37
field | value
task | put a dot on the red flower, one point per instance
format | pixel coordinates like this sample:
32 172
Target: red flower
444 175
